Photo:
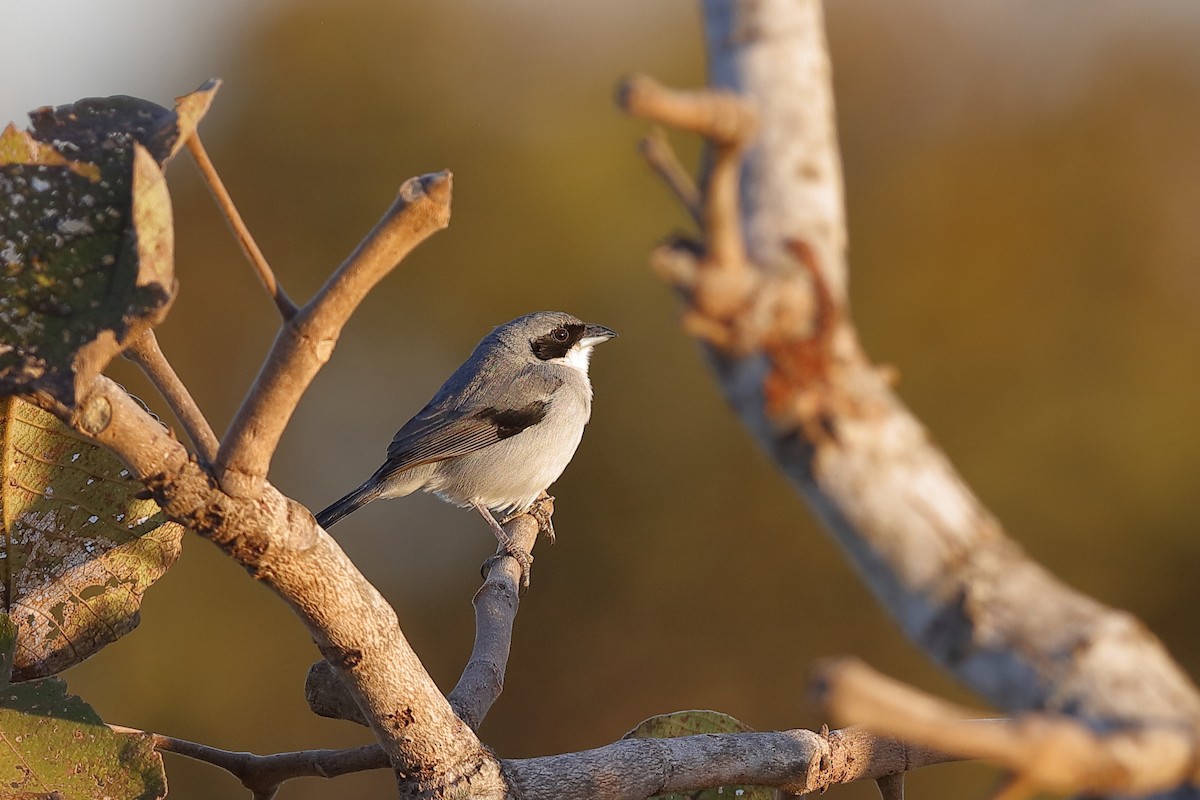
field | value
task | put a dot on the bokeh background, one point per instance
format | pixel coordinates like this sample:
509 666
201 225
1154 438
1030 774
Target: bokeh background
1022 179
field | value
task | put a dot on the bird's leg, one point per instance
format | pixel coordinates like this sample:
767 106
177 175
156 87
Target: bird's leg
542 510
506 542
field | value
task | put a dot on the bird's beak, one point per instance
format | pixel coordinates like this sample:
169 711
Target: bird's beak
595 334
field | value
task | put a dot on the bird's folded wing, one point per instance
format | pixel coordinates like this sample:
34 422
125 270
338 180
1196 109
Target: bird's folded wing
436 434
440 439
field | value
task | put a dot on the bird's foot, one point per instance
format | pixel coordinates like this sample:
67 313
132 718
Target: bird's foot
542 510
510 549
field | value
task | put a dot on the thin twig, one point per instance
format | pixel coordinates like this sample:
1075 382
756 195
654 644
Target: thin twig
306 341
728 123
722 286
720 116
145 352
263 774
656 149
495 610
287 309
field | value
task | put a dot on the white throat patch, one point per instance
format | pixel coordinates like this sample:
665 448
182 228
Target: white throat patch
579 356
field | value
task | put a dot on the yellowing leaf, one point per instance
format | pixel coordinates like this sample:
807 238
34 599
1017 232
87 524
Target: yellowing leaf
18 147
77 548
52 744
74 290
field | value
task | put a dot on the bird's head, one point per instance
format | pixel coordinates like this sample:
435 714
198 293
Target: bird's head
554 337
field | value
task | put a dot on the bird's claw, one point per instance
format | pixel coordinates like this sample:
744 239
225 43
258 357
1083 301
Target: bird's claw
542 510
523 559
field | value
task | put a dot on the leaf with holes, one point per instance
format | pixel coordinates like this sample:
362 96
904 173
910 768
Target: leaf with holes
86 237
77 548
52 742
691 723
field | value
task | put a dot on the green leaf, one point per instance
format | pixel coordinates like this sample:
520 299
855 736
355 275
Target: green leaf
51 741
86 241
691 723
77 548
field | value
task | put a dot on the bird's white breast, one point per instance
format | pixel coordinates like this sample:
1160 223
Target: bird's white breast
509 475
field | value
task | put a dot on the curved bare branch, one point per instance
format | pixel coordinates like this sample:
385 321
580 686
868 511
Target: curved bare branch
306 340
787 355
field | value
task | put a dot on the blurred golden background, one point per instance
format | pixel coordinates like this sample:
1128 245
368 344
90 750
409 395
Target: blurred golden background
1022 184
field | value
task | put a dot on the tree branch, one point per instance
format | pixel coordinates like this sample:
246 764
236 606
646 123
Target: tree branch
149 356
797 761
495 605
728 123
657 151
279 543
307 339
263 775
483 677
788 358
1045 752
287 309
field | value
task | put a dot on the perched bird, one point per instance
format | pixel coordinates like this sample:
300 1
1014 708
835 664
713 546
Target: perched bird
501 429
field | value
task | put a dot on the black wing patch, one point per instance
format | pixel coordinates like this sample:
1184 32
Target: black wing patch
440 439
510 422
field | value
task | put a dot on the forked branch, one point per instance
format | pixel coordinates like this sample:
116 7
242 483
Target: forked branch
263 775
482 679
307 339
149 356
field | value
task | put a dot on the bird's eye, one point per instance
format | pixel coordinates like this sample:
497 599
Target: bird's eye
560 334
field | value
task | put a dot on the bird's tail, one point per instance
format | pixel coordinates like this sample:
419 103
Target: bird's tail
352 502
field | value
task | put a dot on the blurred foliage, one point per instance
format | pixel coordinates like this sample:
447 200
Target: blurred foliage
1023 249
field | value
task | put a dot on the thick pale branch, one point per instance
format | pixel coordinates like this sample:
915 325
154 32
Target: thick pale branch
798 761
149 356
287 309
306 340
1050 753
772 55
789 360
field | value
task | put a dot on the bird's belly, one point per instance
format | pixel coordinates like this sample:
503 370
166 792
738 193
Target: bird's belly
510 474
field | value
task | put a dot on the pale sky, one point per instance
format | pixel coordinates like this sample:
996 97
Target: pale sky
58 51
1041 54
